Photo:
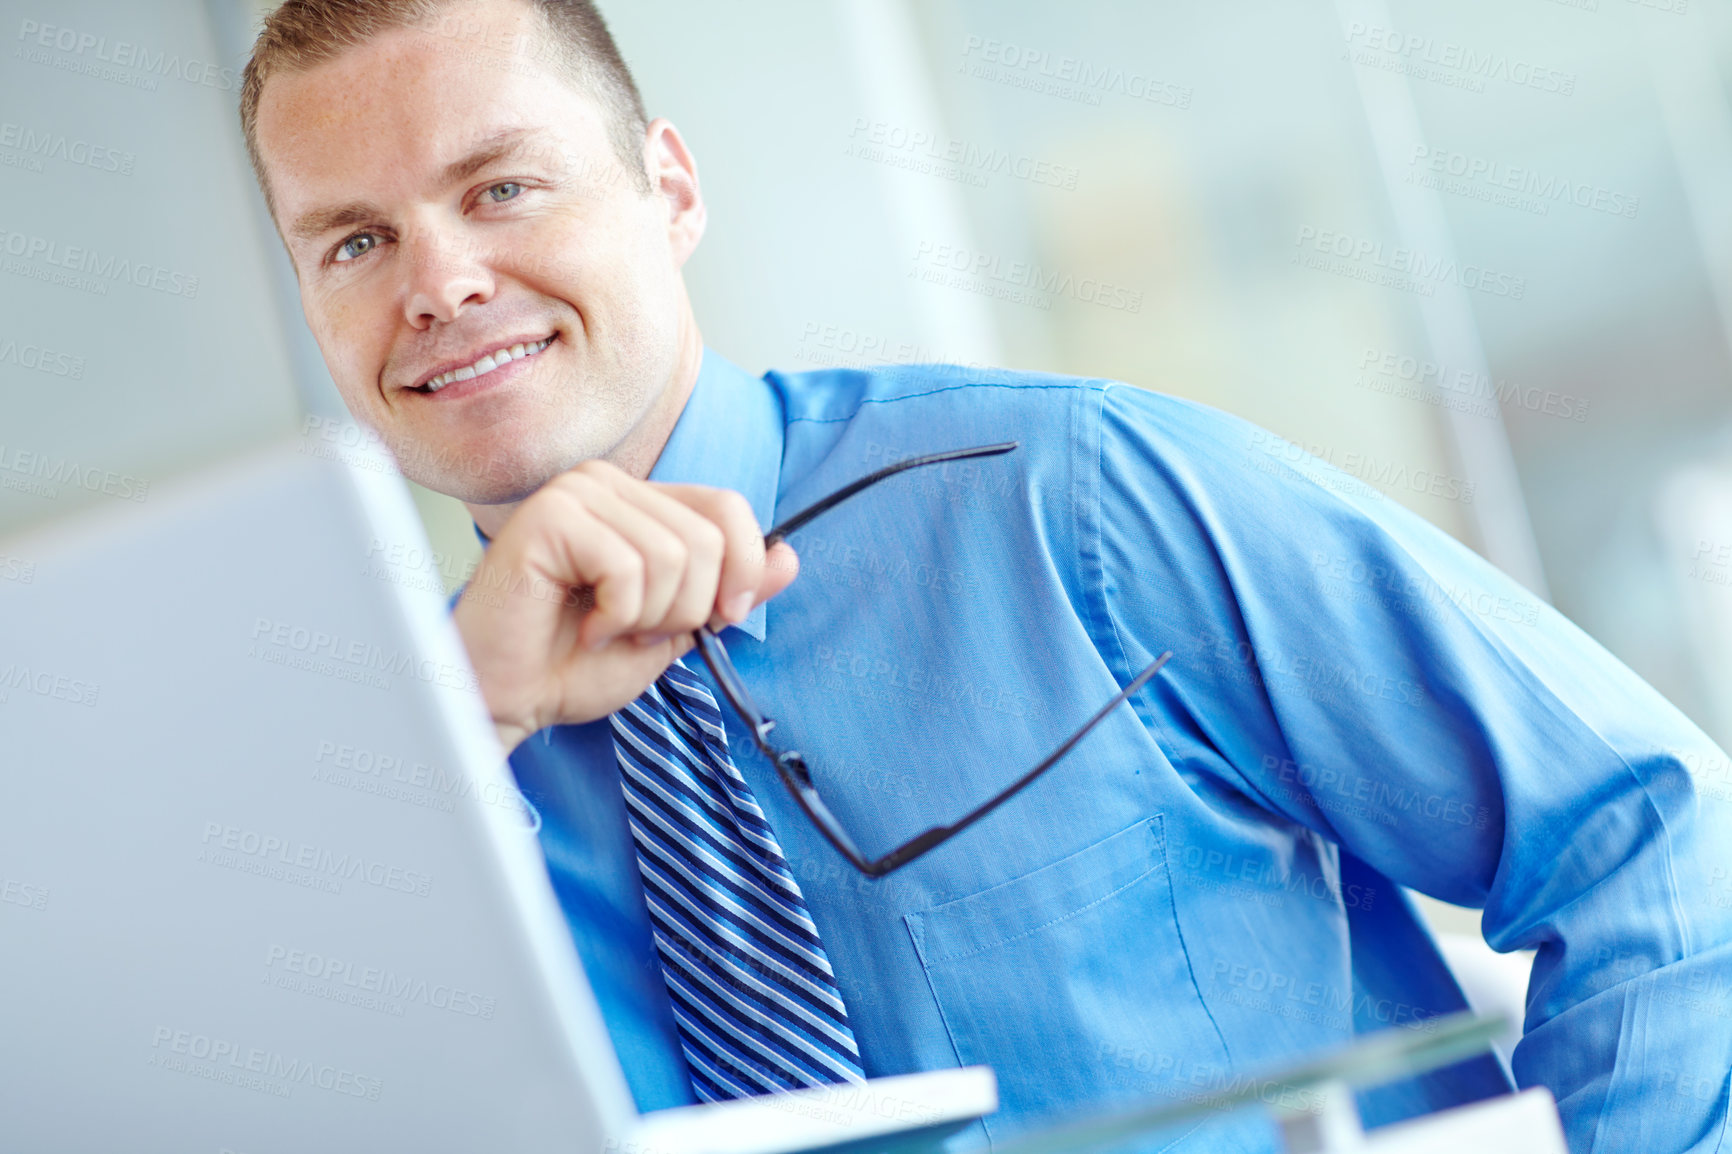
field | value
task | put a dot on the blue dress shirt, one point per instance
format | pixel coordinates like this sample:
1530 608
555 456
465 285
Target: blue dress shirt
1210 883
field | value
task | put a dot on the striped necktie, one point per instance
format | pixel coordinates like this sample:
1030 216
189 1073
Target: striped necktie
753 995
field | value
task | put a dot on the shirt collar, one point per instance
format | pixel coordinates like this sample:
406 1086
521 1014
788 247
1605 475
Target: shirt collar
729 436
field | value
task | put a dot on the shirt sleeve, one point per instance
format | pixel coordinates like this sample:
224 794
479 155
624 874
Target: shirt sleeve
1342 663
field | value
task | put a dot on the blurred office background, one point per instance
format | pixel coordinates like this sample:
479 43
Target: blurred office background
1477 254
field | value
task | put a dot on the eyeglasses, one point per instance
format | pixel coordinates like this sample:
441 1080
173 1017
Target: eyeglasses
791 767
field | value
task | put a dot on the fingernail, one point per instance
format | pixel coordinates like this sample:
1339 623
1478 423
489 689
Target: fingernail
739 607
648 639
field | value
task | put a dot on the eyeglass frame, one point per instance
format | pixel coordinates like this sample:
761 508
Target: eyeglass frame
791 766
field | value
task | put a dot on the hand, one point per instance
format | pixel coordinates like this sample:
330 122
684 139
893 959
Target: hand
594 587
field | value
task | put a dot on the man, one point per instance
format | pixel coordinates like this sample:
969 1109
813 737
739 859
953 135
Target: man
489 240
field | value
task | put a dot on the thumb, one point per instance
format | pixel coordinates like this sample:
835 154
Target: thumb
781 566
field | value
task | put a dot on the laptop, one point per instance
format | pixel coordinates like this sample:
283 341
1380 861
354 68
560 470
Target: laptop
266 885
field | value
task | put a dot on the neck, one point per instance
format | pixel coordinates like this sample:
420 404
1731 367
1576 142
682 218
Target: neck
637 452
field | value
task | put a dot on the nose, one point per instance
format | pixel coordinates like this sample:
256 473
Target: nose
446 274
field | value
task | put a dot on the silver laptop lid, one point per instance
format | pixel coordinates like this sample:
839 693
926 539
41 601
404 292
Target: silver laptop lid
264 882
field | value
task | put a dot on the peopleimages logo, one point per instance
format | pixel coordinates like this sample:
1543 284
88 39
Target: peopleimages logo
1329 786
83 262
1259 873
360 656
1018 281
1388 372
1414 591
46 683
1379 476
1069 77
1482 178
42 474
249 851
950 157
1448 62
17 893
39 145
1295 989
416 782
838 345
89 49
333 978
1313 244
41 359
252 1067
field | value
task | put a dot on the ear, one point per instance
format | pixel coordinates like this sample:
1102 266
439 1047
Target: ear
673 175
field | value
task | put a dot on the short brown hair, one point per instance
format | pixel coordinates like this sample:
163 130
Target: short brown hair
302 34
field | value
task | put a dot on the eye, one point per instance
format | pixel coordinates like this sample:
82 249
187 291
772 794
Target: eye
360 244
504 190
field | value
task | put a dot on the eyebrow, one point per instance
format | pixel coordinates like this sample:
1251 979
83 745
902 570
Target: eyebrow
316 223
497 146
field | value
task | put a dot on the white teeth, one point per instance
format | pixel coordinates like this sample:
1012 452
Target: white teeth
487 364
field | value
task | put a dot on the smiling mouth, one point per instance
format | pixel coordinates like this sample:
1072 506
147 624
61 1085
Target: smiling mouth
486 364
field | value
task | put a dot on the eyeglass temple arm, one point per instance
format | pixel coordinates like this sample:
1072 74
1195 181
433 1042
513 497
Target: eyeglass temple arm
826 823
919 845
798 520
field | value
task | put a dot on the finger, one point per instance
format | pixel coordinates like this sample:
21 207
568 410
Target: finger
569 544
695 600
742 545
663 648
666 556
781 566
609 679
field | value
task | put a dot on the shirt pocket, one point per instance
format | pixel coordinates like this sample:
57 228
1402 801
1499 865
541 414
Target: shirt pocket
1073 983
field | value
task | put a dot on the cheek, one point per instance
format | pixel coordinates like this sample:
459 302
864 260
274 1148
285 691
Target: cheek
353 338
558 257
639 288
606 261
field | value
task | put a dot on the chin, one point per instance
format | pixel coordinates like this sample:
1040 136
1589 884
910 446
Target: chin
498 490
506 461
480 476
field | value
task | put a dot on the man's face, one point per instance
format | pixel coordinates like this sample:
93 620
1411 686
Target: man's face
443 199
